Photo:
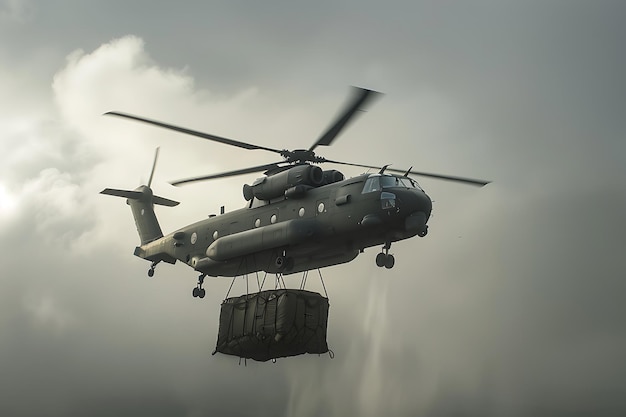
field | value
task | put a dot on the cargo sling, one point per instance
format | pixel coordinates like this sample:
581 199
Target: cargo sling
272 324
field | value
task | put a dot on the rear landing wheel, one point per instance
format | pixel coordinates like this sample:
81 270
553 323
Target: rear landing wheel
151 270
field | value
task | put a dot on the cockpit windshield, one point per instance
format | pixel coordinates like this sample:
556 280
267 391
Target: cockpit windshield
377 182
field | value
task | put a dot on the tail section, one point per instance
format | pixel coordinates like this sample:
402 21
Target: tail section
142 201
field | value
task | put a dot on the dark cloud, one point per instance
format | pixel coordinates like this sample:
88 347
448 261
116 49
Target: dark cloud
510 306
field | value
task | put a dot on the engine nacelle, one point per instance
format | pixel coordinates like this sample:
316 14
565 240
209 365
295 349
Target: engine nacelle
274 186
331 176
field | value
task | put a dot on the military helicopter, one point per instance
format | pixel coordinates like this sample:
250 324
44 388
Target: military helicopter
298 216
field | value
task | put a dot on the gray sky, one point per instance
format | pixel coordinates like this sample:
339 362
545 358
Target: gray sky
512 305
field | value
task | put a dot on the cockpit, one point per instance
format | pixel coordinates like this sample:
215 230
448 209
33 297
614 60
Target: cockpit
378 182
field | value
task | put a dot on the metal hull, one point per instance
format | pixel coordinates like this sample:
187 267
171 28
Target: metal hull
329 225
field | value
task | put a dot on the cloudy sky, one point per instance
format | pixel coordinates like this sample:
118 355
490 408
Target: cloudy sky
514 304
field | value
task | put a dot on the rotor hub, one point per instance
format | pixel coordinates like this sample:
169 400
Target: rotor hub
301 155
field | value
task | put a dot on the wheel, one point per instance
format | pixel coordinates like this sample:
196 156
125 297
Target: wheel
381 259
423 233
390 262
201 293
280 262
195 292
150 272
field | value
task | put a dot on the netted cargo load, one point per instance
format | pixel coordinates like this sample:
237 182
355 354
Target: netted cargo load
273 324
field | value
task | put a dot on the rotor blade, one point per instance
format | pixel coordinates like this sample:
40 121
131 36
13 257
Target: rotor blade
242 171
156 156
360 97
351 164
214 138
464 180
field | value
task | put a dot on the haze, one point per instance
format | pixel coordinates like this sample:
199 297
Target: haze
514 303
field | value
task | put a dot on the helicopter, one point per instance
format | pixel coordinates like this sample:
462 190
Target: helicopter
298 217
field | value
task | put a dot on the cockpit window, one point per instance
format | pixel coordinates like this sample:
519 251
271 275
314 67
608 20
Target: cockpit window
372 184
410 183
388 181
378 182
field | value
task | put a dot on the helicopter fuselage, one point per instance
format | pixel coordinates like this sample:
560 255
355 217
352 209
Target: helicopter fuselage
320 227
299 217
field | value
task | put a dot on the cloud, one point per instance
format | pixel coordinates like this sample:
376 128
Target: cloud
510 306
76 327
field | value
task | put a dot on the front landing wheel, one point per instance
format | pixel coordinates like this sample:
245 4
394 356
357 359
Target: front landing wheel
381 260
390 262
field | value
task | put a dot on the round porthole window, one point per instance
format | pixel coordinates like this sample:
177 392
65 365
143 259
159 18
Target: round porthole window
301 212
215 235
320 208
194 238
257 222
273 219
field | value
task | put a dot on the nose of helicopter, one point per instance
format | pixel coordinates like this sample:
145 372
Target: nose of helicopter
415 201
416 206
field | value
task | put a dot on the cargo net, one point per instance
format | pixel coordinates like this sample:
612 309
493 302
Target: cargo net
272 324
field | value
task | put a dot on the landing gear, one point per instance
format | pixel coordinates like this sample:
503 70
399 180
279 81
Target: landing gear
390 261
384 258
198 291
423 232
151 270
380 260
